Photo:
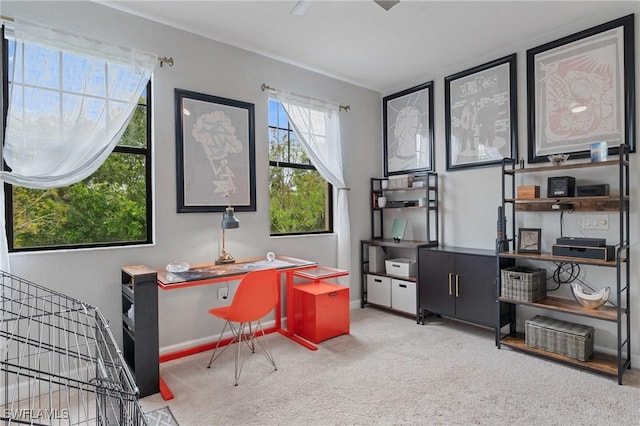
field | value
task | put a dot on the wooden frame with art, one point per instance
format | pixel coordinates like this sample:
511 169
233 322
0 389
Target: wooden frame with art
581 90
408 131
529 240
215 153
480 115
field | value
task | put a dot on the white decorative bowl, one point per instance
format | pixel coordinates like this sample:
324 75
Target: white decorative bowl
177 267
590 299
558 159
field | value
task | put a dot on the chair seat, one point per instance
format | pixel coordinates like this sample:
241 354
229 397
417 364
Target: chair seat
220 312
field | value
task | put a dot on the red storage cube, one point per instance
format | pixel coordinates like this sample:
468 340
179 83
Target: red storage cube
321 311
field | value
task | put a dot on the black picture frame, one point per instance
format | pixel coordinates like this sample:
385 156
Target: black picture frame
407 117
480 115
581 90
215 153
525 242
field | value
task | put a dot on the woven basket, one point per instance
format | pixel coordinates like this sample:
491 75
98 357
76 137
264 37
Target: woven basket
521 283
560 337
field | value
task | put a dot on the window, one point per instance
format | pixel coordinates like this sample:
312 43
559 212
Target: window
300 199
111 207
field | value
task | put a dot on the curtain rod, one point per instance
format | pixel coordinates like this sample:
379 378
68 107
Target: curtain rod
266 87
163 60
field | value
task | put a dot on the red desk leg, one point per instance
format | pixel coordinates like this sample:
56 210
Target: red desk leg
165 391
290 331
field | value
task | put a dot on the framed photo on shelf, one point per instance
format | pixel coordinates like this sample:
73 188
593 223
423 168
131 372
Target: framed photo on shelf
580 90
529 240
480 115
408 130
215 153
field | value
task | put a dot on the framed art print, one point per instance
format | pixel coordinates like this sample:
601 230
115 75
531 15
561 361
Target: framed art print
529 240
581 90
215 153
408 130
480 117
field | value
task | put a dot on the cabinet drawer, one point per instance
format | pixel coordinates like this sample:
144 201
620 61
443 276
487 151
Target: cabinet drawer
403 296
379 290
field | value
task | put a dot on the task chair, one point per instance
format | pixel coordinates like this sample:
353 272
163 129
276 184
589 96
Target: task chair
255 297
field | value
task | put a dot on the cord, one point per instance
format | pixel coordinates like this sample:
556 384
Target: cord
565 273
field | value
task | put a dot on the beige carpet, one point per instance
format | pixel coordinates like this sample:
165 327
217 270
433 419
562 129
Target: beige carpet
392 371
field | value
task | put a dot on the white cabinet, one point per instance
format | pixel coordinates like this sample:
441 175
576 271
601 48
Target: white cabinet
403 296
399 295
379 290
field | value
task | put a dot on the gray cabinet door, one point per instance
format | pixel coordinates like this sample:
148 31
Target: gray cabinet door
476 299
436 273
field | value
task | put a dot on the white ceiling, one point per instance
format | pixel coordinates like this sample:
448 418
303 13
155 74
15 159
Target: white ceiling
359 42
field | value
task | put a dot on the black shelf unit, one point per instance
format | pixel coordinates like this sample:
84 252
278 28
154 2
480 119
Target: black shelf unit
619 203
406 200
140 339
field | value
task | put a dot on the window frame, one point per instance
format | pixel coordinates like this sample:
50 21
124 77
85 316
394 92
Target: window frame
146 152
299 166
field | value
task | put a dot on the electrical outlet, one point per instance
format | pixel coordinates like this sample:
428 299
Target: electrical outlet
599 222
602 222
223 293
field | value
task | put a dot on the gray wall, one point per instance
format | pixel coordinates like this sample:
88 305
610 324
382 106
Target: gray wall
468 197
213 68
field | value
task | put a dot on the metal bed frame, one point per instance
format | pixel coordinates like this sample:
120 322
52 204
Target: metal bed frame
59 362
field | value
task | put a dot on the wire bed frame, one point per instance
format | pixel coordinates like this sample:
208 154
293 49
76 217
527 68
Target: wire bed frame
59 362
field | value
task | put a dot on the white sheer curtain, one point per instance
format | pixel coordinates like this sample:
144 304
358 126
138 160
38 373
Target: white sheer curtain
317 124
70 101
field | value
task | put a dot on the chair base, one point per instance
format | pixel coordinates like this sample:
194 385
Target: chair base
254 335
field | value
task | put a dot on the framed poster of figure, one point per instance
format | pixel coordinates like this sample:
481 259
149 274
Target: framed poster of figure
480 117
408 130
215 153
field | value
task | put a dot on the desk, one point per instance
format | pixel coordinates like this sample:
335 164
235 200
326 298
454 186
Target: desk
209 273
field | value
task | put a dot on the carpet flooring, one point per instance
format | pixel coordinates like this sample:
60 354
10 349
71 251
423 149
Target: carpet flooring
392 371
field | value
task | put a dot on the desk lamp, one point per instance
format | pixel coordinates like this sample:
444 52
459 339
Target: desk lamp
228 222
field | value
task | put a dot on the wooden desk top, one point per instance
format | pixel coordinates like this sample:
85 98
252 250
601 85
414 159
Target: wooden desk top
207 273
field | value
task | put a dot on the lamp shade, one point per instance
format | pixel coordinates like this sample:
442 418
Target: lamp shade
229 221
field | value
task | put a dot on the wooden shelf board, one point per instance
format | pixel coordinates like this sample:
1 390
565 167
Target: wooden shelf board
585 204
603 363
568 166
549 256
608 313
388 242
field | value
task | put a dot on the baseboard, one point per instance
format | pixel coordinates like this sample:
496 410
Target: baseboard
164 350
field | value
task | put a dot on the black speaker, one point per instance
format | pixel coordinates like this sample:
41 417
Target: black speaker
561 186
592 190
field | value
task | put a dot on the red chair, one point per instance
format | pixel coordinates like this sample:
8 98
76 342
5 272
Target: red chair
255 297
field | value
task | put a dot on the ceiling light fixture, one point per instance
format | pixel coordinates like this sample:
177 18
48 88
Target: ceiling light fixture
386 4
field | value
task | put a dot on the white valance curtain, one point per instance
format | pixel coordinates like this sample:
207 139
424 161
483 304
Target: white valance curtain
70 101
317 124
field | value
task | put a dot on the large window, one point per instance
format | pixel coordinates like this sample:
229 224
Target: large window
111 207
300 199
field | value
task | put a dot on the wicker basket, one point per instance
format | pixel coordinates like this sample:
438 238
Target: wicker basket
521 283
560 337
